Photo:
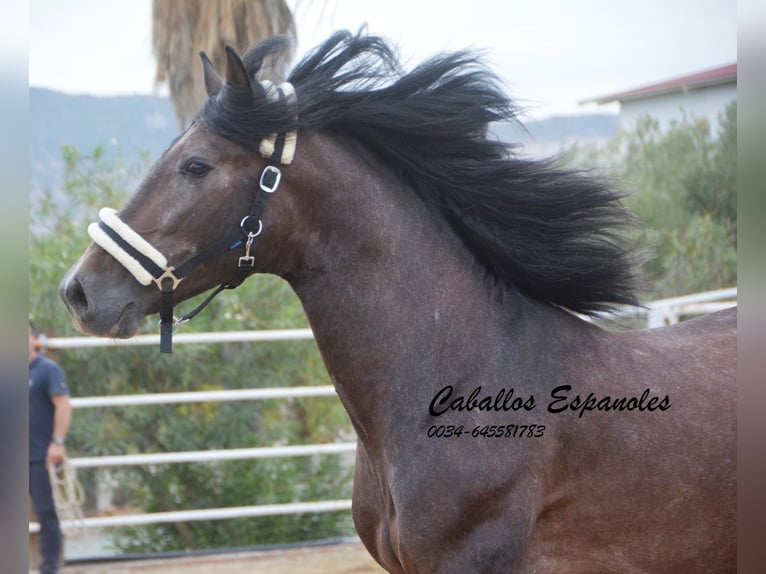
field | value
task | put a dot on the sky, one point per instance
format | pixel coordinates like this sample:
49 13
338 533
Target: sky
550 54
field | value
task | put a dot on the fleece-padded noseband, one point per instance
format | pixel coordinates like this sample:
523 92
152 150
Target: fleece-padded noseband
136 254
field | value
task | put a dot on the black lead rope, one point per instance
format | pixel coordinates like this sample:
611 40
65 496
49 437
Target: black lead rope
167 323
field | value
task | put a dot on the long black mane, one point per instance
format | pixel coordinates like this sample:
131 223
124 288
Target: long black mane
551 233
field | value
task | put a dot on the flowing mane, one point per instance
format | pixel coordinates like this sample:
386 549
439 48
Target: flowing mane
553 234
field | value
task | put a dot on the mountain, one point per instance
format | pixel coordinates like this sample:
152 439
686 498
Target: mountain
550 136
132 125
125 125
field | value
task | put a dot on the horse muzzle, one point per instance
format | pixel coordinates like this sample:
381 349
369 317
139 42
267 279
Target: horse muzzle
115 315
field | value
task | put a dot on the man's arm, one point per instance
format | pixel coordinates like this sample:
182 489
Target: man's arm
62 417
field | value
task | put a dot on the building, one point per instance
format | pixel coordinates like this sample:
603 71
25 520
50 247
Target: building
700 95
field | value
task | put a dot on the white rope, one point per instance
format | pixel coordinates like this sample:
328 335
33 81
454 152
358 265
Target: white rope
68 496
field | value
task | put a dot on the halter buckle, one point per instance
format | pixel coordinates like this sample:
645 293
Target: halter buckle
270 178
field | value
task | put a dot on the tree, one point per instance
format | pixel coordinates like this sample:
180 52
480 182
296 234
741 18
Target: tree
183 28
683 186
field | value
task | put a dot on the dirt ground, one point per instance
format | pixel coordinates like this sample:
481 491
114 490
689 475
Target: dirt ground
346 558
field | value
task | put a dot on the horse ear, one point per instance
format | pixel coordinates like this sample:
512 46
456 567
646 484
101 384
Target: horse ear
212 80
236 73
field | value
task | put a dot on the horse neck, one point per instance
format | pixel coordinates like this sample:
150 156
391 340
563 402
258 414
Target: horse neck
392 294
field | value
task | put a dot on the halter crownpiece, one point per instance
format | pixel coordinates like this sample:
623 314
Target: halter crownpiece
270 144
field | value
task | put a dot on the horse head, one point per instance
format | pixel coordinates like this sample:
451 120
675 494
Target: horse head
198 217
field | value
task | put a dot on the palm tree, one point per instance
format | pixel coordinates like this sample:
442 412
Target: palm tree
181 28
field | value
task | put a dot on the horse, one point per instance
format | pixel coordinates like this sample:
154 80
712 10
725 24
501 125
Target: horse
447 281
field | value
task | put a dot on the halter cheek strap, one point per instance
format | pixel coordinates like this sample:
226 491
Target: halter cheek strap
147 264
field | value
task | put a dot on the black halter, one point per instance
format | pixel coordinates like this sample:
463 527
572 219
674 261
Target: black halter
149 265
115 237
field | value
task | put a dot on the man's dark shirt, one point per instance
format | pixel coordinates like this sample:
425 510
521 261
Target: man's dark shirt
46 379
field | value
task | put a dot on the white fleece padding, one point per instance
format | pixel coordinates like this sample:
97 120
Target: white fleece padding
106 242
109 216
288 151
266 149
270 89
267 145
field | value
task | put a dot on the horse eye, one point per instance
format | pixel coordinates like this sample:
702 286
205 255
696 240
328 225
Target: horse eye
196 168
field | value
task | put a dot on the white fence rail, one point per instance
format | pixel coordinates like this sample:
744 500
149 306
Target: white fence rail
214 455
657 313
204 514
181 338
204 396
669 311
663 312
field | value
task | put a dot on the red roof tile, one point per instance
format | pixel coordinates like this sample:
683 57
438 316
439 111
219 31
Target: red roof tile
713 77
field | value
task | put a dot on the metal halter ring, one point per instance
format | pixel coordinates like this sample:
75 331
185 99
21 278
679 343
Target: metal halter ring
168 274
250 234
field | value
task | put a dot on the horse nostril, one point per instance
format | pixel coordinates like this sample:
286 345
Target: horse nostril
74 296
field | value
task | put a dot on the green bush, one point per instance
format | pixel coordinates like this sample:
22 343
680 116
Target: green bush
683 186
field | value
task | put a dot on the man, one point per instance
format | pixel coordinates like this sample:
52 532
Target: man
50 413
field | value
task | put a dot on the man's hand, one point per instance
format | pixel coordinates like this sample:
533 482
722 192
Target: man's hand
56 453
